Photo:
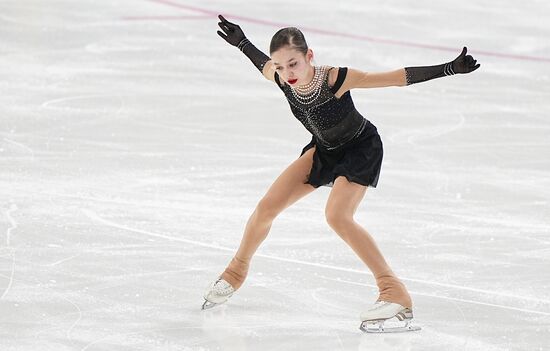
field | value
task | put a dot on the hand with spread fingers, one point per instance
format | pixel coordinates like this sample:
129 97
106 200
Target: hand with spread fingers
464 63
232 33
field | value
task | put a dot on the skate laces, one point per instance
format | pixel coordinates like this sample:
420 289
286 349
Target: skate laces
221 287
379 304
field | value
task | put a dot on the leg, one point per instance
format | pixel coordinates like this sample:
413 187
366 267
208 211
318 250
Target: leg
288 188
342 203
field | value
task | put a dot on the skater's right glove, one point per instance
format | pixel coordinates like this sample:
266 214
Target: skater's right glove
234 35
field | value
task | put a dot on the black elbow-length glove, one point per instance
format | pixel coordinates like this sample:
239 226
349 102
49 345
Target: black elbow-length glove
234 35
462 64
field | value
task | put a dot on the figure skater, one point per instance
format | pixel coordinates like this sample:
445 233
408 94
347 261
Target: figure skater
345 153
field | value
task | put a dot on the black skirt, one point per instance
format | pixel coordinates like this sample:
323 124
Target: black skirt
360 160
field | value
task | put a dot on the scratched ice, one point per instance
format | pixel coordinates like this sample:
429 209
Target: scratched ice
135 143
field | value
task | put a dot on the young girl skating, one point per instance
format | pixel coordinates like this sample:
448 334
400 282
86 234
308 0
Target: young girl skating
345 153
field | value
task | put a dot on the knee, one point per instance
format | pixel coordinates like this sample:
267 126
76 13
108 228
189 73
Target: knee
267 209
338 220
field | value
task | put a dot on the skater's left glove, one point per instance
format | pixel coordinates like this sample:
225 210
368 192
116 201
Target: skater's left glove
462 64
233 34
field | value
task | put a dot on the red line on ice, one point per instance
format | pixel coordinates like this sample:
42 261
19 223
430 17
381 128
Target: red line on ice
162 18
349 35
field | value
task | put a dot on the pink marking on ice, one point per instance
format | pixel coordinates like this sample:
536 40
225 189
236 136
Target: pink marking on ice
350 35
162 18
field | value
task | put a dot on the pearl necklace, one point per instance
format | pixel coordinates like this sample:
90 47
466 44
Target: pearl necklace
311 91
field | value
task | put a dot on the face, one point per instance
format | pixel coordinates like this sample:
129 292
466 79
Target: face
292 66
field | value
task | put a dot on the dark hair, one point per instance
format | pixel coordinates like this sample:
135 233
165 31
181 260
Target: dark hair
290 36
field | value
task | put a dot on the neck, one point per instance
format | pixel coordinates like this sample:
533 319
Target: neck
311 74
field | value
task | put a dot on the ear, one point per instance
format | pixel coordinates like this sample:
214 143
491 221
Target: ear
309 55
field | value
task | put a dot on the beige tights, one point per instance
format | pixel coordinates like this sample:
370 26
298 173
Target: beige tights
236 272
285 191
391 289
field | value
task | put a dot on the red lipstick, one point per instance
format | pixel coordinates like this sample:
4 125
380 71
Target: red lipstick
292 81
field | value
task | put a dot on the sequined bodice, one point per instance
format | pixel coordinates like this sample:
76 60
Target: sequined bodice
332 121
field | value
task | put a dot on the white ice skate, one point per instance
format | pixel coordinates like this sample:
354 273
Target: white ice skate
217 293
375 317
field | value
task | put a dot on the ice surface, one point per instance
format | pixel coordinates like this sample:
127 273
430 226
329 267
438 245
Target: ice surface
135 143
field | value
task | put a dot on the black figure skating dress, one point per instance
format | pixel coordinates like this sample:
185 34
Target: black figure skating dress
346 144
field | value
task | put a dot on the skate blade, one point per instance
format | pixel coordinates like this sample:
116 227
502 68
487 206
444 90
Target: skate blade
377 327
208 305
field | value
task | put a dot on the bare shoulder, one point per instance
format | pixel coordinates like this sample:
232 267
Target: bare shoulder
332 75
269 71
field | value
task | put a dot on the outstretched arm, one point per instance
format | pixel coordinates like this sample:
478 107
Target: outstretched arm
234 35
409 75
359 79
462 64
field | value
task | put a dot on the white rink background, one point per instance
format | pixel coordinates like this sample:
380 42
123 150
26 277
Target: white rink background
135 143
